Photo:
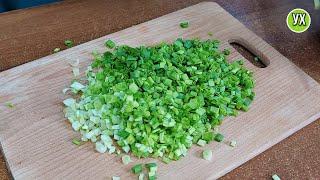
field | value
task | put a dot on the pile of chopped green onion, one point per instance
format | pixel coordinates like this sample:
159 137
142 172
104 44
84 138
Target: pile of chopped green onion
157 101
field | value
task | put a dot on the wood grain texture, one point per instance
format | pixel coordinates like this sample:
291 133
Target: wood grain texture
36 138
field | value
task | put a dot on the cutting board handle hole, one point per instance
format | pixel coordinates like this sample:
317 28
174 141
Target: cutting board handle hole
255 59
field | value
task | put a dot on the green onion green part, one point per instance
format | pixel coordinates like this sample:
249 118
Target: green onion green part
152 167
210 34
137 169
9 105
218 137
157 101
166 160
184 24
226 52
149 165
110 44
76 142
68 43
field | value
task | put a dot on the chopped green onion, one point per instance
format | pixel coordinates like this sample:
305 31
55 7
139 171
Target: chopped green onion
110 44
152 177
68 43
74 63
201 142
126 159
257 59
152 173
76 86
9 105
65 90
76 142
207 154
210 33
219 137
153 169
141 176
115 178
226 52
56 50
76 71
166 160
69 102
158 100
101 147
233 143
149 165
137 169
276 177
184 24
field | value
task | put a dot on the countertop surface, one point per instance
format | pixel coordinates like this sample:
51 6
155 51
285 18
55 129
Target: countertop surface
29 34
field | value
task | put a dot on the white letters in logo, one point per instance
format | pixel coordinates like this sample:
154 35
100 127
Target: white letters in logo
299 17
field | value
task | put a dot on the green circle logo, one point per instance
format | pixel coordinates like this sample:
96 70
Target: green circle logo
298 20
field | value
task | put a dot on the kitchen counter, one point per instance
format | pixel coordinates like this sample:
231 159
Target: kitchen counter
29 34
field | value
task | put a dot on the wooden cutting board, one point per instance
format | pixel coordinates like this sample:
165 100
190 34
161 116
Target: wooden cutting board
36 138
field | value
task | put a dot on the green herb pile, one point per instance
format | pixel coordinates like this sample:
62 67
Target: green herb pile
157 101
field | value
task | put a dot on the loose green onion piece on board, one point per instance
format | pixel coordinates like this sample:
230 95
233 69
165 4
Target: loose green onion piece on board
68 43
152 177
276 177
110 44
74 63
137 169
75 71
157 101
101 147
9 105
149 165
202 142
153 171
76 142
141 176
184 24
207 154
226 52
218 137
210 34
115 178
233 143
126 159
65 90
56 50
166 160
